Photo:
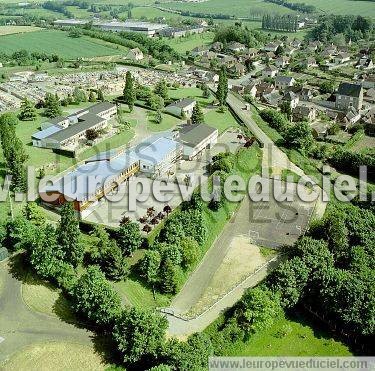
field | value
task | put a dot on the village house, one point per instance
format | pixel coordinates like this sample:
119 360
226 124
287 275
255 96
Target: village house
365 63
304 113
182 108
270 71
282 62
349 95
135 54
289 50
349 118
238 69
370 95
236 47
251 88
284 82
271 47
292 99
272 99
199 51
306 94
310 62
264 88
341 58
216 46
368 81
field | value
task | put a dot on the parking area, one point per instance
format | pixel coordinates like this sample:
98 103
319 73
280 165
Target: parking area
275 223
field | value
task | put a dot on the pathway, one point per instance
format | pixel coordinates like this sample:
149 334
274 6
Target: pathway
20 327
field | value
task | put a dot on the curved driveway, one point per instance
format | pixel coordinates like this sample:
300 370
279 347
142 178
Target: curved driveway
20 327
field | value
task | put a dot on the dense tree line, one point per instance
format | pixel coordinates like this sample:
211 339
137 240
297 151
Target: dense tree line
25 58
351 27
57 7
350 161
332 270
299 7
237 33
177 247
152 46
13 151
287 23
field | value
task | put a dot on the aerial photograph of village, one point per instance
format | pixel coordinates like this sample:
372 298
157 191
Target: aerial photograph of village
187 185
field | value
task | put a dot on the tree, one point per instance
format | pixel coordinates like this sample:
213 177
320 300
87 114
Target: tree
129 238
169 277
161 89
286 108
222 88
190 251
52 106
16 166
150 266
75 33
32 213
155 101
139 334
100 95
68 235
79 95
327 87
108 255
206 91
299 136
92 97
197 116
91 134
289 280
28 111
129 91
158 117
257 310
95 299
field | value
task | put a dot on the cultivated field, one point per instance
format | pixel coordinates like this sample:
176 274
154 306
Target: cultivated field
55 42
365 8
8 30
243 8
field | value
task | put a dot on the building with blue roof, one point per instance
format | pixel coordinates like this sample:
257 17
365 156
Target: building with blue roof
104 172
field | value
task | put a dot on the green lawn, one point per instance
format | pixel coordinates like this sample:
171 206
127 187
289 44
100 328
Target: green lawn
184 44
220 121
56 42
195 93
168 122
296 336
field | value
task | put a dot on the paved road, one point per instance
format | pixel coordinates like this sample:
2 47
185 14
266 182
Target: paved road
20 327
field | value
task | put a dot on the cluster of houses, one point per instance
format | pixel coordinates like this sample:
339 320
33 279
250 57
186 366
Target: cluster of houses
86 185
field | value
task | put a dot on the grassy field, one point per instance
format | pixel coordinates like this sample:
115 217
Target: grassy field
184 44
244 8
58 356
295 336
219 120
238 8
350 7
8 30
56 42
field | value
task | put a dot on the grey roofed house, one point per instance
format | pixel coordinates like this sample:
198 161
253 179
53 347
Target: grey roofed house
183 103
348 89
284 80
88 121
195 134
290 96
96 109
